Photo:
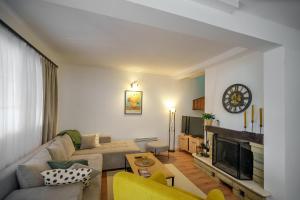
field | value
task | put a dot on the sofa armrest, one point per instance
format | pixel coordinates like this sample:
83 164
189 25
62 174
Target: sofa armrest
104 139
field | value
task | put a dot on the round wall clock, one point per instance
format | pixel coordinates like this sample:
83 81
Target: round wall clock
237 98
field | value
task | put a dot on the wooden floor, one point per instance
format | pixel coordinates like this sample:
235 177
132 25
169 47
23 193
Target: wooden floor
184 162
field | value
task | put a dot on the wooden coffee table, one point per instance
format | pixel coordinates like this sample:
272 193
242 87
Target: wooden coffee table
158 166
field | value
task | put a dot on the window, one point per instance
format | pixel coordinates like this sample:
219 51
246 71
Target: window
21 98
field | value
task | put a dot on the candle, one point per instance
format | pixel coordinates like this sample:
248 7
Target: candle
252 114
261 117
245 119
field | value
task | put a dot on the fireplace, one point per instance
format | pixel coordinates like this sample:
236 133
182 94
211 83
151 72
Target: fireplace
233 156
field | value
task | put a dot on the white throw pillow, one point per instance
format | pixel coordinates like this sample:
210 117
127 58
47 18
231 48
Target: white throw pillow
97 139
88 141
94 172
67 176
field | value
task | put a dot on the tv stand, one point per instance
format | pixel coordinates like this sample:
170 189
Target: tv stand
189 143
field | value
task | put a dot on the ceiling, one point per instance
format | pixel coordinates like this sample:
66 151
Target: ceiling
117 34
84 38
286 12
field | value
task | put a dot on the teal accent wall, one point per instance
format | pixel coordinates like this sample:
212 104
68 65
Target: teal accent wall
201 83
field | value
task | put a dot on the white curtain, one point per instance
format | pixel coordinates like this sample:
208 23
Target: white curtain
21 98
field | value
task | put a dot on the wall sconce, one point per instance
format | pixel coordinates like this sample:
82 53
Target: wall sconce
134 85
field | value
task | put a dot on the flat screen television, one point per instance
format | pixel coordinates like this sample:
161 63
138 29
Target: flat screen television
196 126
184 124
192 126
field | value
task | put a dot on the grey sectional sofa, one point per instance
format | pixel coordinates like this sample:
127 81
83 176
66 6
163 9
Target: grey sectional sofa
105 156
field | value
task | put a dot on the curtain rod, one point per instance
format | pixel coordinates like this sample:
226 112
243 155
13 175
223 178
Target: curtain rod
28 43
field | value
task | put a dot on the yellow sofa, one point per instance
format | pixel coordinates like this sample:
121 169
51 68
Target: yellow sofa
127 186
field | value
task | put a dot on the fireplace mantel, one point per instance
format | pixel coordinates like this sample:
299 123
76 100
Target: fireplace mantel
243 135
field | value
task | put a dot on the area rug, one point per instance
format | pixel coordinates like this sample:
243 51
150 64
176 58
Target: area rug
181 182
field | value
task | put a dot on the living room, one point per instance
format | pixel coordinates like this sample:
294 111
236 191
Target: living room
101 52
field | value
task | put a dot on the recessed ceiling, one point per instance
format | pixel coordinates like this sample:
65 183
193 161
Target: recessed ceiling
85 38
120 34
286 12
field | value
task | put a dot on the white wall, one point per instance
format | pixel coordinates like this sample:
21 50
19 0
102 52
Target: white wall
274 136
274 81
282 97
247 70
91 99
16 23
292 147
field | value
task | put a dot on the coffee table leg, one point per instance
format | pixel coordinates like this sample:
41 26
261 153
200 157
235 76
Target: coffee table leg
173 180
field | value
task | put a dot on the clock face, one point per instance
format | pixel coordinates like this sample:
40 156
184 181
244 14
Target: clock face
237 98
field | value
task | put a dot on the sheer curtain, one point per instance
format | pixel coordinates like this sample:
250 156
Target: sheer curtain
21 98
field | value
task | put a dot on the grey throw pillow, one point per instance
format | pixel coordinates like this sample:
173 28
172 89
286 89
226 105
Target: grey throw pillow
88 141
104 139
29 176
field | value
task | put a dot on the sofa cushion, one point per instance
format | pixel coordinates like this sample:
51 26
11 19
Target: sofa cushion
113 153
65 192
112 147
94 160
40 158
28 174
88 141
68 145
57 150
93 191
159 177
66 164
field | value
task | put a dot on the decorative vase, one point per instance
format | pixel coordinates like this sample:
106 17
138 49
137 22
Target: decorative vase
208 122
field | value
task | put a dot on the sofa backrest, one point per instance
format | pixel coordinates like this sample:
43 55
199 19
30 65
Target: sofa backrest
8 178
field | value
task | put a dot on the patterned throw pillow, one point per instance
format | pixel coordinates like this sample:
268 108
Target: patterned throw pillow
66 176
94 172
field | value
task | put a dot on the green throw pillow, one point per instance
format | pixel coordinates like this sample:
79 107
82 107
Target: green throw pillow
65 164
74 135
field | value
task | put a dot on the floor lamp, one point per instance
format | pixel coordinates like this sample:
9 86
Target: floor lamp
172 112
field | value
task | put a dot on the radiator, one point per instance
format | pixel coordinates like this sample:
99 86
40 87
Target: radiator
141 142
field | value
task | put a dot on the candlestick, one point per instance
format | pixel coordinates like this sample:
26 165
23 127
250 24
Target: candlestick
260 119
252 114
252 117
245 120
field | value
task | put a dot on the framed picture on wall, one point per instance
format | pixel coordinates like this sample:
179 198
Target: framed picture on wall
133 102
